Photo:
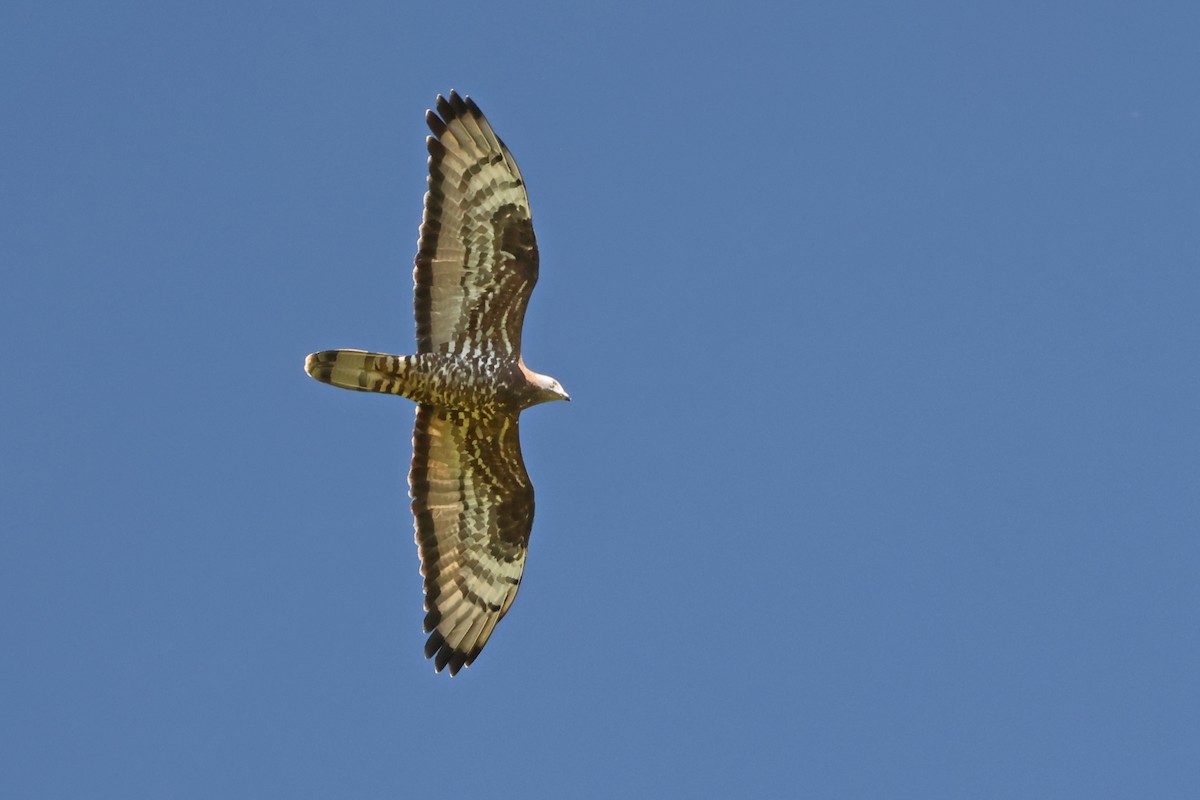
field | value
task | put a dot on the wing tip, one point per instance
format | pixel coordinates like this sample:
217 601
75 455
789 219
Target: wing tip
448 108
445 655
435 123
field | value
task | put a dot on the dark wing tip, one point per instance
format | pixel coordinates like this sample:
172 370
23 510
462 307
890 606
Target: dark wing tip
445 108
443 655
450 107
435 123
433 644
474 109
432 618
463 106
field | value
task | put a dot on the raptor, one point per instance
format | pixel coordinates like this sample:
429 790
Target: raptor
476 266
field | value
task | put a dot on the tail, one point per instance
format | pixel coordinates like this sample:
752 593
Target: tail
359 370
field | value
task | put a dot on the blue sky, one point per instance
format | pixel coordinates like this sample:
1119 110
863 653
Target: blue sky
880 476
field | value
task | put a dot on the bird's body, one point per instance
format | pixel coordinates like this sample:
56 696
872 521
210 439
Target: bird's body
476 265
485 385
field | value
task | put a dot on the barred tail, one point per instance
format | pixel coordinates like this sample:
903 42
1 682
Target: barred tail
360 370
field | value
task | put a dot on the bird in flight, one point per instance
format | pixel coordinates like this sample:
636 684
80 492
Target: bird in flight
476 265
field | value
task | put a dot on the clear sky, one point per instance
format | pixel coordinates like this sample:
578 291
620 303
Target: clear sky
881 323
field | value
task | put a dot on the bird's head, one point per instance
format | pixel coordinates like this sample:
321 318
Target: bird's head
546 388
550 389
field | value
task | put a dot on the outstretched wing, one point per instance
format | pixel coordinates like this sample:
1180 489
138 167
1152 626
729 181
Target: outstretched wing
477 259
473 504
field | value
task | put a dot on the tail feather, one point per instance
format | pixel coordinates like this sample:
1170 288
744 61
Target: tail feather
359 370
